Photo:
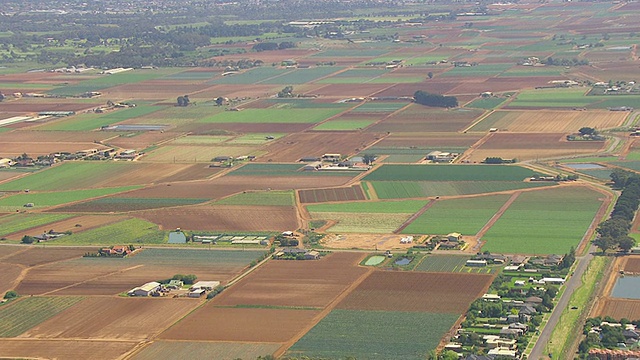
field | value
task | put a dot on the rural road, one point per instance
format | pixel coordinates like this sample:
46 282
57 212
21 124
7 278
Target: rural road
538 351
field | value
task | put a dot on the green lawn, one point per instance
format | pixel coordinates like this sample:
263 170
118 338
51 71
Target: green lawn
544 222
17 222
268 198
259 116
374 335
131 231
24 314
466 216
41 200
449 173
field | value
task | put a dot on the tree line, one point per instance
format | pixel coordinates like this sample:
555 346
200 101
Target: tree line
428 99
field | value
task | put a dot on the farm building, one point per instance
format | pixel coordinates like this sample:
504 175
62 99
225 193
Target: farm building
491 297
145 290
503 353
476 263
6 163
331 157
558 281
312 255
454 237
196 293
310 159
205 285
312 166
177 237
441 157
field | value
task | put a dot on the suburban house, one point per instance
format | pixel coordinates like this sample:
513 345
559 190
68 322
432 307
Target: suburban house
145 290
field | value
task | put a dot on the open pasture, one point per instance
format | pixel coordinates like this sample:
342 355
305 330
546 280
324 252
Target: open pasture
211 323
361 335
224 218
281 116
100 82
476 212
47 199
88 122
309 283
200 349
344 124
547 221
19 222
75 224
549 121
421 189
419 118
500 84
569 98
523 146
439 86
417 292
302 76
252 76
65 349
129 319
478 71
621 308
351 193
129 231
383 207
291 149
24 314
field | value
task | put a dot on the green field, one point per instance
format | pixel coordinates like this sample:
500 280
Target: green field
544 222
414 189
380 207
200 140
466 216
87 122
382 106
266 198
301 76
131 231
259 116
195 257
564 98
344 125
374 335
106 81
370 223
205 350
486 103
17 222
118 204
66 176
449 173
24 314
41 200
452 263
255 139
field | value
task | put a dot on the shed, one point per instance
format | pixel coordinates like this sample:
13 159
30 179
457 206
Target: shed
454 236
196 293
312 255
558 281
476 263
145 290
175 284
206 285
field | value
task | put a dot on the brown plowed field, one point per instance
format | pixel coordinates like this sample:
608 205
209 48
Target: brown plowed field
26 77
292 148
114 318
417 118
632 264
8 274
8 250
62 274
224 218
136 173
34 107
428 140
621 308
154 89
87 222
6 175
308 283
228 185
247 325
42 255
412 291
65 349
192 172
525 146
432 86
336 194
551 121
35 136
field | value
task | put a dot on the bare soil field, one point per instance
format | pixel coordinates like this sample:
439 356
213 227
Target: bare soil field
155 89
531 146
308 284
292 148
14 149
620 308
128 319
418 118
550 121
26 77
427 140
146 173
224 218
43 255
209 323
9 273
374 242
36 136
8 250
271 56
412 291
192 172
228 185
353 192
64 349
205 350
632 264
86 221
26 106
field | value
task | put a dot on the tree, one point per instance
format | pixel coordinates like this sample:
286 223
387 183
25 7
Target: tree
219 101
183 100
286 92
187 279
10 295
604 243
626 243
588 131
430 75
449 355
368 158
620 177
27 239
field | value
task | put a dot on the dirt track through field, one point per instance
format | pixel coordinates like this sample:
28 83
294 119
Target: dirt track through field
414 216
322 314
497 215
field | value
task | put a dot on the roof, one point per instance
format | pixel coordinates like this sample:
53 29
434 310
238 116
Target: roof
206 284
150 286
454 234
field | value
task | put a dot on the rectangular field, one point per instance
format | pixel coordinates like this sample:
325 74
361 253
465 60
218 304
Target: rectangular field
19 222
281 116
261 198
374 335
550 121
449 173
351 193
621 308
26 313
200 349
371 223
47 199
419 118
130 231
65 349
544 222
444 215
451 263
421 189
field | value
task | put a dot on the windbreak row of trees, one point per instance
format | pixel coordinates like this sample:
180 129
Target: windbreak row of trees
428 99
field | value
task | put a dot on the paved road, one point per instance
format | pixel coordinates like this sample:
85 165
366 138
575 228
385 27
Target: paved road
538 351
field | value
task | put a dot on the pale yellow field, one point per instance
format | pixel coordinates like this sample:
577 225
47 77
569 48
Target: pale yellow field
553 121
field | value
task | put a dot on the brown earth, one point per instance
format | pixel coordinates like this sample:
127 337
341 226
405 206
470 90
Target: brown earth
620 308
9 273
205 129
632 264
28 106
64 349
375 242
412 291
224 218
142 141
209 323
36 136
353 192
6 175
501 84
337 91
8 250
155 89
417 118
292 148
433 86
311 283
118 318
42 255
556 121
87 222
427 140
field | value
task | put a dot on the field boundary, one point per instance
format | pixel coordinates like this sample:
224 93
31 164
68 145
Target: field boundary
497 215
415 216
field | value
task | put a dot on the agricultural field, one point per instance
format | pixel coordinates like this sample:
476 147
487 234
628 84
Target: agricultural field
129 231
449 173
422 189
48 199
24 314
548 221
263 198
621 308
280 116
351 193
476 212
118 204
199 349
19 222
451 263
419 118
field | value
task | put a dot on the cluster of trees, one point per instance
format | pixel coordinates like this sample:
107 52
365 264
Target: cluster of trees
286 92
614 232
188 279
564 62
428 99
286 241
183 100
499 160
264 46
609 336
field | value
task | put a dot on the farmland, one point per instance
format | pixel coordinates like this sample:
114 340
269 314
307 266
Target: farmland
546 121
449 173
27 313
219 350
413 189
354 192
18 222
48 199
450 263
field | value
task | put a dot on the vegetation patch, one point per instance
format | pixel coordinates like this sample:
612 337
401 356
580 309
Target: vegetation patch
414 189
259 116
18 222
449 173
267 198
131 231
26 313
117 204
40 200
